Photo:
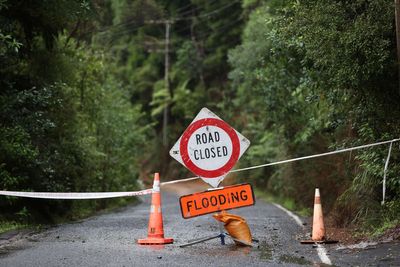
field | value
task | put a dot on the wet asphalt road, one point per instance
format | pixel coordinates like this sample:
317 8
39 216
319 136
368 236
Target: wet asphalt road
109 240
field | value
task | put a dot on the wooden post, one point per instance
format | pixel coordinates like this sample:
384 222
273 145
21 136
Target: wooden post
167 24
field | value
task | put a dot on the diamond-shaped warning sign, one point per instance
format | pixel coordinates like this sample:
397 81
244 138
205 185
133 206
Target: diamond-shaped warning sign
209 147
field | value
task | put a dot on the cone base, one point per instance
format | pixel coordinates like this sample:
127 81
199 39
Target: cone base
155 241
318 242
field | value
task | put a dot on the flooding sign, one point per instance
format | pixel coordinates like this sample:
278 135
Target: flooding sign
214 200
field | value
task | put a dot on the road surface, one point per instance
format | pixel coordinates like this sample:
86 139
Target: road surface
109 240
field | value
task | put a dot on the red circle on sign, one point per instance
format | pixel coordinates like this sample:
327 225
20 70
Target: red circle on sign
209 122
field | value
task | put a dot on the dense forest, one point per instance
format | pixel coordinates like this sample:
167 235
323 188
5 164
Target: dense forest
95 93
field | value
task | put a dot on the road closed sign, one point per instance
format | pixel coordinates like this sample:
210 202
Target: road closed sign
209 147
215 200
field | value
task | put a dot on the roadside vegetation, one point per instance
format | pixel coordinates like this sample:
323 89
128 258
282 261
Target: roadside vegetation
86 105
328 76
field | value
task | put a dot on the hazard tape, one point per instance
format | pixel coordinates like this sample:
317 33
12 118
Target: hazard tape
48 195
294 159
55 195
317 155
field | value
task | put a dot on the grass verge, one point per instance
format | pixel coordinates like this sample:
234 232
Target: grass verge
285 202
6 226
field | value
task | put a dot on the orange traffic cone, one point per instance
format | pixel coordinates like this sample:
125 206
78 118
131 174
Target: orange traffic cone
318 228
156 229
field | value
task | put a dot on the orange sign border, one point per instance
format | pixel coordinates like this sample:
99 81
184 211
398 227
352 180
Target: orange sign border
212 192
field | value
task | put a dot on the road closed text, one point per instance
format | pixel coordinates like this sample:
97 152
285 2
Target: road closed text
212 152
230 197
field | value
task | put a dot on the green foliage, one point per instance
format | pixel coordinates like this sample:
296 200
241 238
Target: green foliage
10 225
288 203
8 43
67 124
201 33
326 77
84 96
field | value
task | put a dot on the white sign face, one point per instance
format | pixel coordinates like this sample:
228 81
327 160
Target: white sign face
209 147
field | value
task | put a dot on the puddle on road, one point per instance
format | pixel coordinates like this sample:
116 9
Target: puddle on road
266 251
8 250
229 250
294 259
15 242
361 245
238 250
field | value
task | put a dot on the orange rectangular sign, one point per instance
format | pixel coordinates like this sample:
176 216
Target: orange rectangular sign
229 197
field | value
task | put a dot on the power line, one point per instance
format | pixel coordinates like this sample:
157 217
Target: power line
209 13
224 26
214 31
124 31
184 7
117 34
201 36
195 8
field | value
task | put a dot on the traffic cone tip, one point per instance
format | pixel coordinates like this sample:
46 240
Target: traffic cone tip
317 194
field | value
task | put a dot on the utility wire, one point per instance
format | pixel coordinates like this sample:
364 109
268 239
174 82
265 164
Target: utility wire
127 30
209 13
184 7
218 29
196 7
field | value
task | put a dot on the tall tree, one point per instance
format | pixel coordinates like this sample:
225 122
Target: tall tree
327 72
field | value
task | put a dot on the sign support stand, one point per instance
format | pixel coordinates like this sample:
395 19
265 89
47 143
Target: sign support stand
221 235
204 239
